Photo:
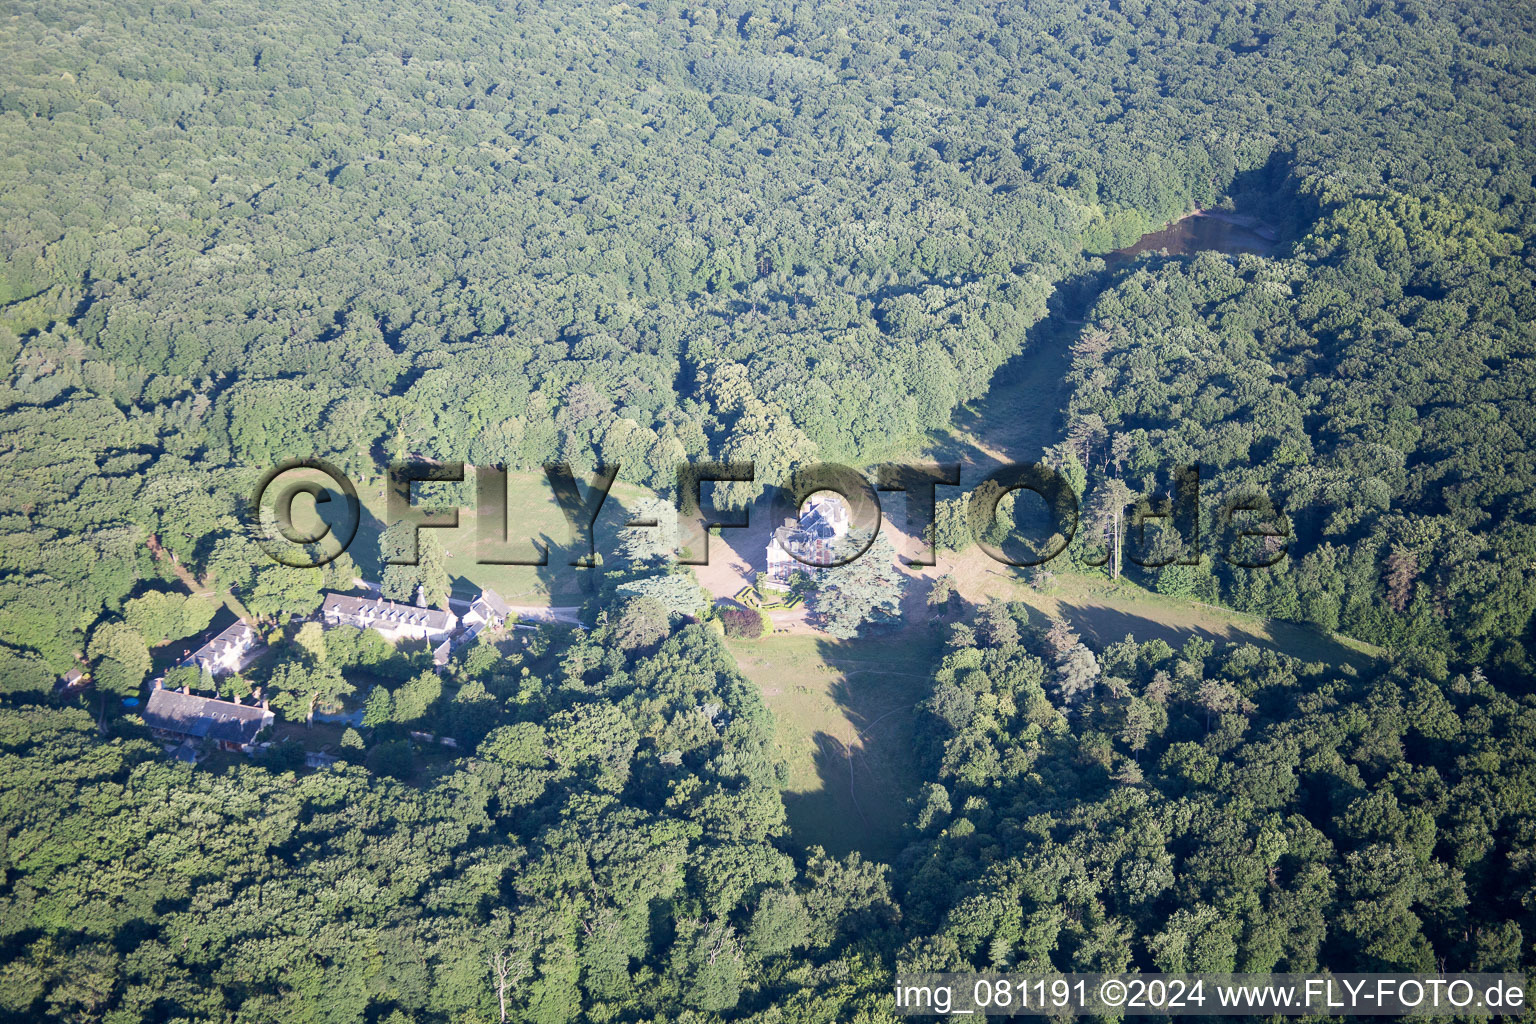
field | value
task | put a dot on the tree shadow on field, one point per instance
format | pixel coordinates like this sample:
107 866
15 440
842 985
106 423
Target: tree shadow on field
1102 624
867 762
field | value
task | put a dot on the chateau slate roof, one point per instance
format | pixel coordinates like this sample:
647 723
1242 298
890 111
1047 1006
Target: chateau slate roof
187 714
377 611
238 637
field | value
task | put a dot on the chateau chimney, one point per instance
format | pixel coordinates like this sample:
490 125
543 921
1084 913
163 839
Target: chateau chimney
263 705
186 688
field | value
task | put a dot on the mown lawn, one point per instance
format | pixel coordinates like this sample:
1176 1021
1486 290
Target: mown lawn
843 713
532 513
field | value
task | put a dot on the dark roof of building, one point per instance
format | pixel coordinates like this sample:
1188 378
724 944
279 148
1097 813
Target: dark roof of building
495 603
819 528
376 610
468 636
827 514
187 714
810 547
811 535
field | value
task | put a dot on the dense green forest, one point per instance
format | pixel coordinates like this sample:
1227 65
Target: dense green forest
1377 386
641 233
607 833
613 831
1203 810
634 233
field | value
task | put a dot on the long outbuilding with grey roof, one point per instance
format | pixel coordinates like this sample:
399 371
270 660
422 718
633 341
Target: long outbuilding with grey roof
177 715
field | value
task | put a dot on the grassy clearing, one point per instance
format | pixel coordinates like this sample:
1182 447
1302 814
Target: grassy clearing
532 513
843 716
1106 611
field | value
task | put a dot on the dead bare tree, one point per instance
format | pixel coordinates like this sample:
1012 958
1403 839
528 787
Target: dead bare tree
509 969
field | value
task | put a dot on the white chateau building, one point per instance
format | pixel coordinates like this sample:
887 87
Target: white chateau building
225 652
391 620
823 522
